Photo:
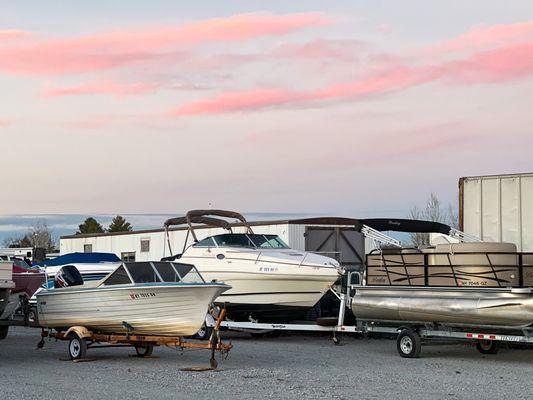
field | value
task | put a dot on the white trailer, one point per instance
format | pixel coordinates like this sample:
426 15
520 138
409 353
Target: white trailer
498 208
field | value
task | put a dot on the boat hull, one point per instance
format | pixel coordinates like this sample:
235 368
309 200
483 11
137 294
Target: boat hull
453 306
265 285
168 310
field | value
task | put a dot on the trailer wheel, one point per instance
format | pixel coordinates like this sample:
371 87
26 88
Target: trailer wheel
3 332
409 344
144 351
77 347
487 346
33 316
204 333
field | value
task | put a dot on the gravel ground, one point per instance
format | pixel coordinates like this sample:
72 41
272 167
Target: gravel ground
288 367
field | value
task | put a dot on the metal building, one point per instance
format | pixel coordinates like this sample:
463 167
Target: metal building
498 208
335 237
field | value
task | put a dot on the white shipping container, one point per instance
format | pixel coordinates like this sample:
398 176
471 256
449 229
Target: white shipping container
498 208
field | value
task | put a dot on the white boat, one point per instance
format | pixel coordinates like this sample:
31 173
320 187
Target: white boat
6 283
269 280
144 298
92 266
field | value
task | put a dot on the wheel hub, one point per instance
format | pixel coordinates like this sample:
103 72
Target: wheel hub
74 348
406 344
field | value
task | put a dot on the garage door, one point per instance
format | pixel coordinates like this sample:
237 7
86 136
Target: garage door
344 244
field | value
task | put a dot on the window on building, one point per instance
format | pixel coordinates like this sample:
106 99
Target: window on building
87 248
145 245
127 256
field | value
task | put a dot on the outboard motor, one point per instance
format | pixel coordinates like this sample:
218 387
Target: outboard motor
67 276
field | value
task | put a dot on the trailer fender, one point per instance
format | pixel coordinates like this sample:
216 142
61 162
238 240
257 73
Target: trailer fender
81 331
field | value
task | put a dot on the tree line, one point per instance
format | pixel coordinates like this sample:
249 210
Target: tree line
91 225
39 235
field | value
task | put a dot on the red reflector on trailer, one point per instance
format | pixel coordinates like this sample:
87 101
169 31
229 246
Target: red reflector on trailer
469 335
480 336
492 337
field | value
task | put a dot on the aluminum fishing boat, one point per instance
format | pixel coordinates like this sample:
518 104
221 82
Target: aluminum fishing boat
269 280
142 298
458 284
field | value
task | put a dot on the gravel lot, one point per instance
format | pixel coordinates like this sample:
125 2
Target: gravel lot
286 367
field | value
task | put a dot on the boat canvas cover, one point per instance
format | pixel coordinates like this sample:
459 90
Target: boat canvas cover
81 258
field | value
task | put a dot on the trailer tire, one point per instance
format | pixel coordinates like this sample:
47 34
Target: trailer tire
204 333
409 344
33 316
3 332
77 347
144 351
487 346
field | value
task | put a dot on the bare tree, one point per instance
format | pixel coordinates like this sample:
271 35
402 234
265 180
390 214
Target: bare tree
432 212
38 235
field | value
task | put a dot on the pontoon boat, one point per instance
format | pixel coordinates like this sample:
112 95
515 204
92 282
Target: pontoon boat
465 283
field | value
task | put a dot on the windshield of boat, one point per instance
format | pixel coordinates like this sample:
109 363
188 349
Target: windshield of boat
152 272
250 241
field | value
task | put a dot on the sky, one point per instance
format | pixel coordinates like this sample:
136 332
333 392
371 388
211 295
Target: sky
349 108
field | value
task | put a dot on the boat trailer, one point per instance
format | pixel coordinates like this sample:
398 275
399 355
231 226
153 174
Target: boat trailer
487 339
334 326
81 339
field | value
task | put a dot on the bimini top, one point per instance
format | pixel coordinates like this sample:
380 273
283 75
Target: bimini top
406 225
202 217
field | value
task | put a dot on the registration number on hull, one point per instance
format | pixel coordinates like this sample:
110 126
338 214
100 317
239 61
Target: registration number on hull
136 296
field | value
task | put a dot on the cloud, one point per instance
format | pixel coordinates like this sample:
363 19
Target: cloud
101 87
486 36
49 56
4 123
320 49
496 66
238 101
10 34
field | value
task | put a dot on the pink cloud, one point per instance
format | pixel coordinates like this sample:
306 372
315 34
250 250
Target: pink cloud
101 87
321 49
486 36
120 48
238 101
3 123
496 66
10 34
501 65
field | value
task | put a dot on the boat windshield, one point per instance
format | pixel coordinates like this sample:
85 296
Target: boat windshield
250 241
153 272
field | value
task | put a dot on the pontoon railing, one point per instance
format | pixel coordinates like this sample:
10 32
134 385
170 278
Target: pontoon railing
416 269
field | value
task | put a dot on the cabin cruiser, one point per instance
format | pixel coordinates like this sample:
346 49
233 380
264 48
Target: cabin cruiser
144 298
269 280
459 284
